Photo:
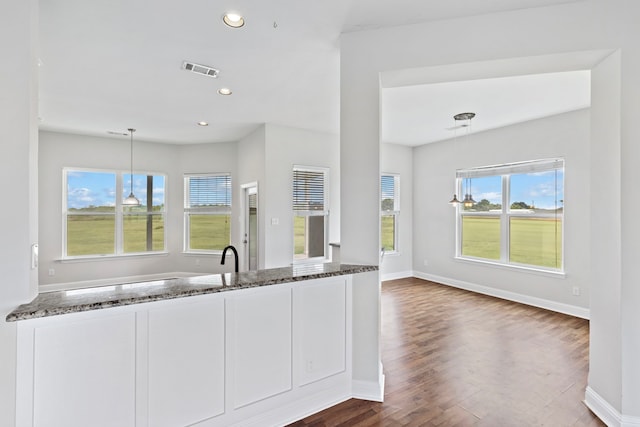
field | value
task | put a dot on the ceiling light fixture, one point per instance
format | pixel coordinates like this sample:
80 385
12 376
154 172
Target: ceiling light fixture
131 200
224 91
203 124
468 199
233 19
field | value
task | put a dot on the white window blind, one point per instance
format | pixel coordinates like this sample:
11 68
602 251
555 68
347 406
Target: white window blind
512 168
211 193
308 190
389 193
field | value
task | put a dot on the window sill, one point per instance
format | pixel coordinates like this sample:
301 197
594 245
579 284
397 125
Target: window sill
513 267
316 260
92 258
202 253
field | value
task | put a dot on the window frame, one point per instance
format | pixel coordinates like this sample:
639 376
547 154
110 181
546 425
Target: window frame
325 212
118 214
395 212
209 211
506 214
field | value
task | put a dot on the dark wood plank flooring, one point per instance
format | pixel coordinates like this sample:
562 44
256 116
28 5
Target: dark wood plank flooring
456 358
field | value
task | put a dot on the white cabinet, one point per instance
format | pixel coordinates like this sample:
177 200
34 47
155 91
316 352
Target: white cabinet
259 344
186 362
261 356
84 372
320 324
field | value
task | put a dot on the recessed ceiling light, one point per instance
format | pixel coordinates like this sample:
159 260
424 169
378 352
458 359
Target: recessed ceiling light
233 20
224 91
203 124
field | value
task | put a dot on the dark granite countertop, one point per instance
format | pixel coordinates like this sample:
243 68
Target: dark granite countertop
86 299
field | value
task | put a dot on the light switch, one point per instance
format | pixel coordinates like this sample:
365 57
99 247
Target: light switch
275 221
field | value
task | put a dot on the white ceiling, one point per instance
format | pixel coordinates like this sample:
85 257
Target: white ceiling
107 65
416 115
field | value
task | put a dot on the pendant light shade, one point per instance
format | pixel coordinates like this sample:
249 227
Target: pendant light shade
131 200
468 201
465 118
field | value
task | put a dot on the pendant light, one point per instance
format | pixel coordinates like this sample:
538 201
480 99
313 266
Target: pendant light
131 200
468 199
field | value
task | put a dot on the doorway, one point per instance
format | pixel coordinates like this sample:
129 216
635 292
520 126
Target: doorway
250 226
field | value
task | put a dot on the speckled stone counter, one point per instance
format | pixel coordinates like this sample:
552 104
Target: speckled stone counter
86 299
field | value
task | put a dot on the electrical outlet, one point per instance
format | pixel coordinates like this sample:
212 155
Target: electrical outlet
576 291
425 262
309 365
52 272
197 261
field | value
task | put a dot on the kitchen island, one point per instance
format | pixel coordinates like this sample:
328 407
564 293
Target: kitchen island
254 348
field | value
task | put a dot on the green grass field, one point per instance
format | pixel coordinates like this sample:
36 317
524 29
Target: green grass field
298 235
387 233
95 234
210 232
534 241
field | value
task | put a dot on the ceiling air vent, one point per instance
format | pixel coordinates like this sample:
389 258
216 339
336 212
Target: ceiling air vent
200 69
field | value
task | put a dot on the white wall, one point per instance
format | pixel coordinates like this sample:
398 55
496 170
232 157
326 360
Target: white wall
286 147
605 343
59 150
579 26
398 159
564 135
18 171
360 202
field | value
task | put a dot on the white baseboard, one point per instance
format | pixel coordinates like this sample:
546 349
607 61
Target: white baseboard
396 275
628 421
607 413
296 411
559 307
368 390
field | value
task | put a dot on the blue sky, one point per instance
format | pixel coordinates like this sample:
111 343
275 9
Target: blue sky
99 188
532 188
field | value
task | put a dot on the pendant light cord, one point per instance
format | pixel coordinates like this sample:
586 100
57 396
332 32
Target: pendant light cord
131 131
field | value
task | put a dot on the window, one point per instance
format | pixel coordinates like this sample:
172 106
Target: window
207 212
389 211
95 221
518 217
310 213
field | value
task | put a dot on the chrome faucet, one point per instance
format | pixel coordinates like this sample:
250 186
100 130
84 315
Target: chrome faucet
235 254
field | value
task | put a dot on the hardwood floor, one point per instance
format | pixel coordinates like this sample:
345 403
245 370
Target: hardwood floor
456 358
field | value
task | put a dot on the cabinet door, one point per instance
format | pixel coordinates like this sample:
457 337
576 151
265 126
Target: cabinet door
186 362
320 329
84 373
259 344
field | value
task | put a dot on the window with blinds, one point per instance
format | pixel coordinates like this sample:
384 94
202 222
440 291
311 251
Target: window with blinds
207 212
389 211
518 214
310 213
308 190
